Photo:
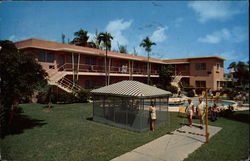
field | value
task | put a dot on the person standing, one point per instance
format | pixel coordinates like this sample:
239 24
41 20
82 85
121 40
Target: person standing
201 111
152 111
214 112
190 111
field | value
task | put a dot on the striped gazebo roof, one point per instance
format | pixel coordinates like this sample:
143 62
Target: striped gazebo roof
129 88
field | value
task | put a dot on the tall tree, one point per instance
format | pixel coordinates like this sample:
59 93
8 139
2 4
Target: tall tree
240 72
165 76
146 44
122 48
19 76
81 38
105 38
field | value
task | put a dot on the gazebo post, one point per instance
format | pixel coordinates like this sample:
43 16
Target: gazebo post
113 100
93 106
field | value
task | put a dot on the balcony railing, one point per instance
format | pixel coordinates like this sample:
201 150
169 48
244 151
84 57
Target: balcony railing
101 69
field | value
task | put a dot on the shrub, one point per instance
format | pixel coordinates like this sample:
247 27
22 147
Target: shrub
83 95
46 97
41 98
172 89
25 99
190 93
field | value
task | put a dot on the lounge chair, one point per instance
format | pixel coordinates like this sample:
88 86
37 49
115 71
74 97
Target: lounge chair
195 94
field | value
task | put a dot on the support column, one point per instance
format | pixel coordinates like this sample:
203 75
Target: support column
109 71
78 65
129 69
73 68
132 70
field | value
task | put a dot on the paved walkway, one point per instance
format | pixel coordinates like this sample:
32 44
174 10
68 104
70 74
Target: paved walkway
170 147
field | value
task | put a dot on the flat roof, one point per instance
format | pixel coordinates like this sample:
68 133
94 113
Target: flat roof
55 46
182 60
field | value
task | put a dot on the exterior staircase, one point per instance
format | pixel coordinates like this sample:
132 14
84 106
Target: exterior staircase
58 78
176 80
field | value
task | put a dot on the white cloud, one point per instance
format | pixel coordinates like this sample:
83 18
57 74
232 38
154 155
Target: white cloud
159 34
212 10
91 37
116 27
12 38
235 35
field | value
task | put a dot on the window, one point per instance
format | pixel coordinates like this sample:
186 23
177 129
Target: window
69 59
217 66
200 83
45 57
200 66
90 61
186 67
61 59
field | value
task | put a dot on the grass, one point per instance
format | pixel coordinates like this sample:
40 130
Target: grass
65 133
230 144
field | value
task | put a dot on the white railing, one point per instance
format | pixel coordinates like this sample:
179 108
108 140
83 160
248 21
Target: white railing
61 81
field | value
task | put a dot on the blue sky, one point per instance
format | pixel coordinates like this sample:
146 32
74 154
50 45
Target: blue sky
179 28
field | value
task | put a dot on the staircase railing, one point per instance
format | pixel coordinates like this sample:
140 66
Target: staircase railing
63 81
67 83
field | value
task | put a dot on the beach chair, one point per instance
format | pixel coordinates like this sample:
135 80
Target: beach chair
195 94
217 94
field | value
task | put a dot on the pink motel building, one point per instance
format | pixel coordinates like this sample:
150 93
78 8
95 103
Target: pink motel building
67 63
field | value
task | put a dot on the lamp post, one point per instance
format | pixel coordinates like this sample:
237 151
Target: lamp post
206 128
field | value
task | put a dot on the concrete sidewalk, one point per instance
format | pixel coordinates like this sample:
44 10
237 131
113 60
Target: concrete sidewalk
170 147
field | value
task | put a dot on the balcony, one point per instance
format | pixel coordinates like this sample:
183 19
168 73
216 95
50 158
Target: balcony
86 68
182 73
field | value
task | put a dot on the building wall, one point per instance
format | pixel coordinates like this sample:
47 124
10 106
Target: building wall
211 74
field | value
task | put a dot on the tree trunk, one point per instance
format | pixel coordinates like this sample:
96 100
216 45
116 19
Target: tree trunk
148 70
106 74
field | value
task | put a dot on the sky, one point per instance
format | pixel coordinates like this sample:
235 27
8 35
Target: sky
179 28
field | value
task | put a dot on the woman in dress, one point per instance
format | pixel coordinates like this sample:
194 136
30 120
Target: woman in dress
152 111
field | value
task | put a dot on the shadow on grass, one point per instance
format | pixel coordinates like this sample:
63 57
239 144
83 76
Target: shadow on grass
22 122
239 117
89 118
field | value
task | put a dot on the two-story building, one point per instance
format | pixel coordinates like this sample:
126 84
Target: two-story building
207 71
69 64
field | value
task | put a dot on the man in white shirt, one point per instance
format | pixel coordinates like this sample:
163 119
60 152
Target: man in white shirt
201 111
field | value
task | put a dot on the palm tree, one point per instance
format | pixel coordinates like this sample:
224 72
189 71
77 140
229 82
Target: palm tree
81 38
106 38
147 43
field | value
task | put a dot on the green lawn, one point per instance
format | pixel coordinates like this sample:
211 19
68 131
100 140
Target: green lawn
65 134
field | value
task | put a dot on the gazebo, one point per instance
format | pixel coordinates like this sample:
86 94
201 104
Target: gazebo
125 104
